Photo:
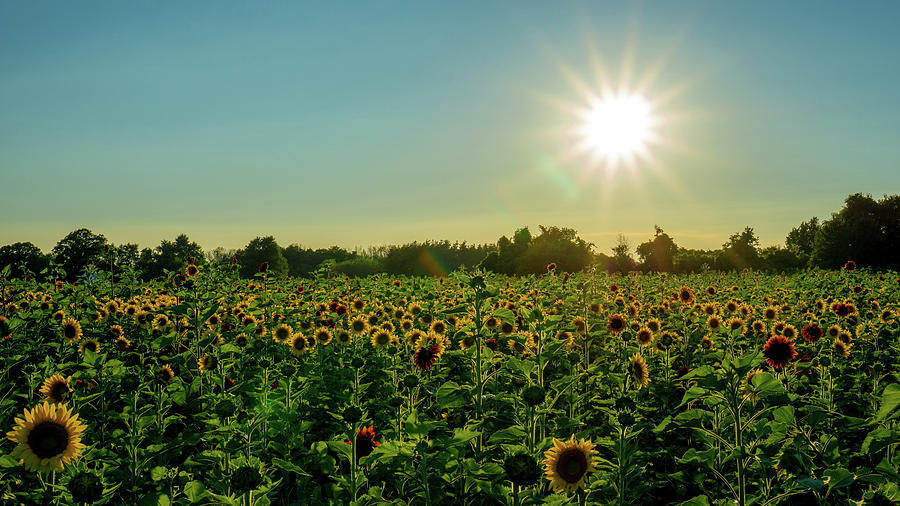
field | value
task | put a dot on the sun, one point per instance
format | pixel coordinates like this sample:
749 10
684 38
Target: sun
618 126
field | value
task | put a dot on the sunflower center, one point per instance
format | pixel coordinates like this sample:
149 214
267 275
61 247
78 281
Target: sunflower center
70 331
59 391
382 339
572 465
48 439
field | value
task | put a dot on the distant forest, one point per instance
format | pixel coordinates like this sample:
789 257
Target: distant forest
865 230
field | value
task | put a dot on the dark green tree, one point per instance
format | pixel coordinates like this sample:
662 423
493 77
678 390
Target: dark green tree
658 254
78 249
23 255
740 252
561 246
259 250
800 239
622 261
864 230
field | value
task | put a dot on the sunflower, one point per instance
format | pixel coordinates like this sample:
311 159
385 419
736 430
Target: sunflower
714 322
365 441
491 322
639 370
644 336
568 463
736 324
56 389
770 313
122 344
115 331
298 344
551 267
241 340
165 374
359 325
686 295
841 348
162 321
438 327
5 329
358 304
789 331
191 270
343 337
282 333
59 316
850 265
382 338
506 328
260 330
71 329
616 324
834 331
48 437
206 363
778 351
89 344
468 340
428 348
323 336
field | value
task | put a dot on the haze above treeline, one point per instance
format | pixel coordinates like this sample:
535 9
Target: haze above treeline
865 231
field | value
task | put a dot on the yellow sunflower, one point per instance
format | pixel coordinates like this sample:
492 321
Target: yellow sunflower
89 344
298 344
382 338
568 463
71 329
639 370
56 389
48 437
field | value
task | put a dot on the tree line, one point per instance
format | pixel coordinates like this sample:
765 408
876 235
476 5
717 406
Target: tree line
864 230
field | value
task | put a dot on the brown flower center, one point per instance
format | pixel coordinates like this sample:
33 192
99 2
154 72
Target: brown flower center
48 439
572 465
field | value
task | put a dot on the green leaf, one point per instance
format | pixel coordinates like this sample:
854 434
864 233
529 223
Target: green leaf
464 436
287 466
784 414
890 399
700 500
811 483
451 395
887 470
155 499
877 440
7 461
158 473
693 393
505 315
838 478
195 490
514 434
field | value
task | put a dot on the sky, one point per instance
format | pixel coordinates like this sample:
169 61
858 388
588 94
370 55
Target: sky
370 123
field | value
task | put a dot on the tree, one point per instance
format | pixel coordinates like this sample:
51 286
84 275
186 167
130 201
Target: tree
800 239
658 254
259 250
170 256
864 230
78 249
22 257
740 252
561 246
622 260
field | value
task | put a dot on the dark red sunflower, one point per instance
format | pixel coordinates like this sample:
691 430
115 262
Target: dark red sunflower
191 270
850 265
365 441
779 351
263 267
812 332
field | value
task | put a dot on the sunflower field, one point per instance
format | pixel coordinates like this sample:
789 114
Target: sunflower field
713 388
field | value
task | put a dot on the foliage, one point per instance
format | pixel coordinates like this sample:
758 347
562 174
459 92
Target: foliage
258 251
864 230
77 250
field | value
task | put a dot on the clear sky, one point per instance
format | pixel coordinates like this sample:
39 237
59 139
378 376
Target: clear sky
367 123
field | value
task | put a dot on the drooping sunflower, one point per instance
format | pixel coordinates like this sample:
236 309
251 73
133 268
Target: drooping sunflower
48 437
59 316
640 373
492 322
89 344
365 441
568 463
71 329
779 351
428 349
616 324
116 331
206 363
122 344
56 389
165 374
468 340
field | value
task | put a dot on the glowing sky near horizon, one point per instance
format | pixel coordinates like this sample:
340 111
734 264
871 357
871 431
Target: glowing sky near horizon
386 122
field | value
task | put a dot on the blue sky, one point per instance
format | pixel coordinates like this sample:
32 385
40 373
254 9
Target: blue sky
384 122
